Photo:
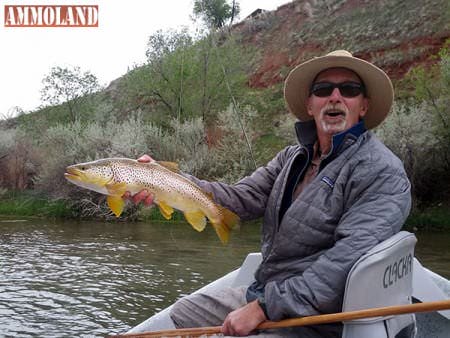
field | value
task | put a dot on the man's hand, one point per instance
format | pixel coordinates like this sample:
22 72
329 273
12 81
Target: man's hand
142 196
145 159
244 320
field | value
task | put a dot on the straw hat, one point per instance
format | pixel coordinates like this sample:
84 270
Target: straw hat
378 85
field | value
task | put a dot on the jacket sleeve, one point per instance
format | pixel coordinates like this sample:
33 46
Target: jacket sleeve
380 205
248 197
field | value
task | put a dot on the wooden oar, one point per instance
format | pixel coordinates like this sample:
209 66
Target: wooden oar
303 321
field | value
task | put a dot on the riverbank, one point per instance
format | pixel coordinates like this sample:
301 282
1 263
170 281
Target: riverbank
432 218
435 217
26 203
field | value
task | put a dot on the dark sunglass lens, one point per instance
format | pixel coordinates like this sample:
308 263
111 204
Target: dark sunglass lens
322 89
350 89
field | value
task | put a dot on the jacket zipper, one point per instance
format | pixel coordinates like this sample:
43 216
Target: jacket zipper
279 201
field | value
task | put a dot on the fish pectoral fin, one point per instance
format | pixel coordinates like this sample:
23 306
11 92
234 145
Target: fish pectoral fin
165 209
172 166
116 204
116 189
197 219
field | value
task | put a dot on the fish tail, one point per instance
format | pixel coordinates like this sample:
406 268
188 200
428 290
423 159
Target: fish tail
228 221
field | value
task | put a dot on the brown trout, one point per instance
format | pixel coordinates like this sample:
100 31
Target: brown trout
170 190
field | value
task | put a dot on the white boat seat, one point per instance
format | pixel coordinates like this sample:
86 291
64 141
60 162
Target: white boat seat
382 277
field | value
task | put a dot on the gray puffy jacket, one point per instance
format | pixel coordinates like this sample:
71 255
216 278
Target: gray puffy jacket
360 197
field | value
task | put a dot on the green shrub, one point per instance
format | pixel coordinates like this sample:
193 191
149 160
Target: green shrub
28 203
436 217
233 157
412 133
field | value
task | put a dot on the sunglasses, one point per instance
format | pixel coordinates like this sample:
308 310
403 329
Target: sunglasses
347 89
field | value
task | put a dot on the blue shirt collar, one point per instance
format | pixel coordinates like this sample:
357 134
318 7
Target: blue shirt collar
307 134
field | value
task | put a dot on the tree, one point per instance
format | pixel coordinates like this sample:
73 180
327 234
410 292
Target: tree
215 13
432 84
170 57
184 78
68 85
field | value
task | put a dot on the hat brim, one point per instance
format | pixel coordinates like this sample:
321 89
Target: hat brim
379 88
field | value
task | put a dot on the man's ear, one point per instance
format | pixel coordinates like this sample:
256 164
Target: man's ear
364 107
308 107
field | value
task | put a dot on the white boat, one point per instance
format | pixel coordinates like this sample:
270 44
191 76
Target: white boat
389 274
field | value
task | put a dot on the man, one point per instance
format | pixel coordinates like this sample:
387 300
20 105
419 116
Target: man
325 202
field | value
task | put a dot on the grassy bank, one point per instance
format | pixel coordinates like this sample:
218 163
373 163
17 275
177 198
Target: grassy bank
433 218
29 204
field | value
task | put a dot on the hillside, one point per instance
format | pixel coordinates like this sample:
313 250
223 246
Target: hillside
394 34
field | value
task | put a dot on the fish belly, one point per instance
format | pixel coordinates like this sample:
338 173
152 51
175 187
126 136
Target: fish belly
181 202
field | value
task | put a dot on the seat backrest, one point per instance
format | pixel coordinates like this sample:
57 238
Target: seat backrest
382 277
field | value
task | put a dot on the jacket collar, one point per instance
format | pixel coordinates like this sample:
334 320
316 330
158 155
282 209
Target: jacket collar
307 136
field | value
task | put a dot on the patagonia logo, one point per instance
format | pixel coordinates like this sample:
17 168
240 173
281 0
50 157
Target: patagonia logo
328 181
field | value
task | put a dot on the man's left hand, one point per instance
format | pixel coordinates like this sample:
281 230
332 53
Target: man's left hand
244 320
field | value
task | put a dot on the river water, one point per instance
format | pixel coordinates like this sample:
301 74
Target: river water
93 279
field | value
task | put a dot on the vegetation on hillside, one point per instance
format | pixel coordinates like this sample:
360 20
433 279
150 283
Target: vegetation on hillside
184 78
418 130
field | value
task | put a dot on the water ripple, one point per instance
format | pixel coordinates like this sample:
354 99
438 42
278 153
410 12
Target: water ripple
93 279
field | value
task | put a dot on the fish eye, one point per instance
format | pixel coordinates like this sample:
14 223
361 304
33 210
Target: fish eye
83 168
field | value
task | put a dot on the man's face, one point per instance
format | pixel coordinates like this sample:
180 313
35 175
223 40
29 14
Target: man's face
337 111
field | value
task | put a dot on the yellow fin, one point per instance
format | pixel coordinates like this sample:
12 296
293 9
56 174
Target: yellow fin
229 221
116 204
116 189
172 166
197 219
165 209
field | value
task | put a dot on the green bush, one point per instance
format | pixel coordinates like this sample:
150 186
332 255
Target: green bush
28 203
185 78
233 157
418 131
436 217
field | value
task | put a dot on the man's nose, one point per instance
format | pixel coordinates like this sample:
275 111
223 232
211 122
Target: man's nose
335 95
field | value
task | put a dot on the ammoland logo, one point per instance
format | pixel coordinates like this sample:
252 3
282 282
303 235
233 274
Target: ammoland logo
51 16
